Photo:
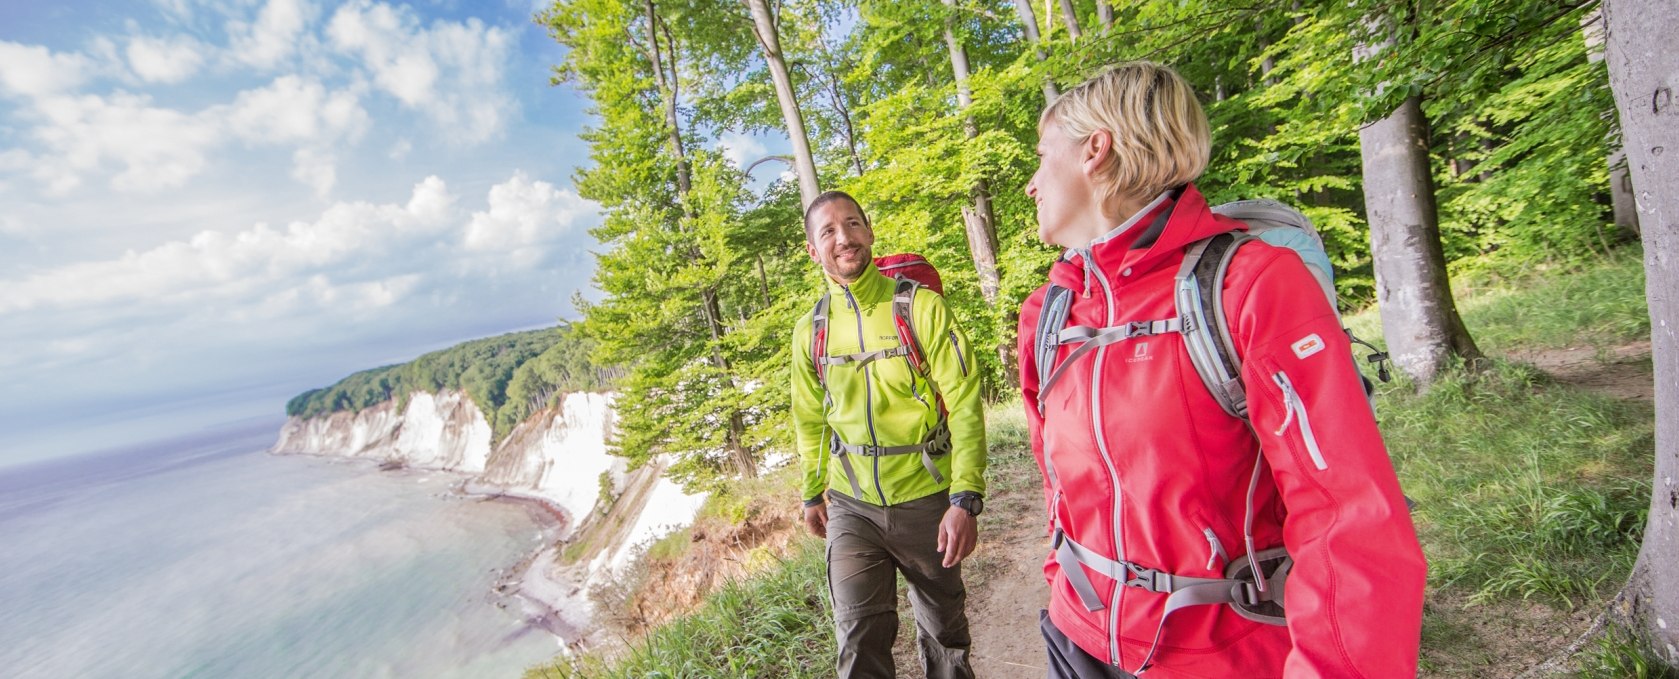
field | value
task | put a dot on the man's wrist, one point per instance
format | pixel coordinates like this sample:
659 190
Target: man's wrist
815 501
970 501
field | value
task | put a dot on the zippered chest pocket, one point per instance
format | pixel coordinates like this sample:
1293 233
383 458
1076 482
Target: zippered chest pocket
1296 417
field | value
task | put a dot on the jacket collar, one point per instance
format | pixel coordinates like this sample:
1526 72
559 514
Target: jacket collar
1147 240
871 285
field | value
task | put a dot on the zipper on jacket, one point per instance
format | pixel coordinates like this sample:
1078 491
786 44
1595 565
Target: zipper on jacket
1296 409
1095 271
958 348
1215 549
868 393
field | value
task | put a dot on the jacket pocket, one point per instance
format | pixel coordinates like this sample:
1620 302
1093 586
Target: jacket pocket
1295 408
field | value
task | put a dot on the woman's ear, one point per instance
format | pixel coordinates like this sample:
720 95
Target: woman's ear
1095 150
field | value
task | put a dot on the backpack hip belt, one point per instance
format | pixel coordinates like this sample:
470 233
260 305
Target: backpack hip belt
936 444
1255 598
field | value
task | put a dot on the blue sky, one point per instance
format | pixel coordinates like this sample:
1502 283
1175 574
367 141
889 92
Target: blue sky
208 207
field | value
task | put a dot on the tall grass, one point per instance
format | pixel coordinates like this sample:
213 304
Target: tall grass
776 625
1525 488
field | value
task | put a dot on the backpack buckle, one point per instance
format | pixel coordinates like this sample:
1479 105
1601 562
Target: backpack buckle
1143 577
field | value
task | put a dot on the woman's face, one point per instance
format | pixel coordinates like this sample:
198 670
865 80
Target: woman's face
1068 212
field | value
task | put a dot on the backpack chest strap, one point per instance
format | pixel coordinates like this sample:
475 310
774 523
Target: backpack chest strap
1091 339
864 358
937 443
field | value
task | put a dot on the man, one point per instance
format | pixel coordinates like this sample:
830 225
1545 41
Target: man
892 452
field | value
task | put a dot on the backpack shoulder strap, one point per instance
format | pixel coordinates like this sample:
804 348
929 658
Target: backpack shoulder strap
1052 317
903 317
1206 331
819 338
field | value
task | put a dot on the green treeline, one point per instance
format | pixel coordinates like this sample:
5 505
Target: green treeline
927 111
508 377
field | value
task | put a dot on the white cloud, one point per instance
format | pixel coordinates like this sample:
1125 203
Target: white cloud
35 71
740 149
164 61
294 110
274 35
524 217
155 148
451 71
317 169
353 239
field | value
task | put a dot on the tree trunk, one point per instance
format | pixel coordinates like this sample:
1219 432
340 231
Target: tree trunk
1029 19
667 92
1071 19
734 438
764 27
1624 208
1105 14
837 92
1644 72
1419 317
977 218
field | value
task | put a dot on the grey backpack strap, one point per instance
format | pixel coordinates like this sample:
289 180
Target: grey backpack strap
1046 339
1206 332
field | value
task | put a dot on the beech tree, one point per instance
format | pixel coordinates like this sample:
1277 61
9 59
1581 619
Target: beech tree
769 38
1644 72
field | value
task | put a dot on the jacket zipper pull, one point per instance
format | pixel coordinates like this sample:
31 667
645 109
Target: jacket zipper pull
1215 551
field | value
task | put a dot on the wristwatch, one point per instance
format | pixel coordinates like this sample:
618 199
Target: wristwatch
969 501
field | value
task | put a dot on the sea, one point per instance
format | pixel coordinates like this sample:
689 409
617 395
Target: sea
207 557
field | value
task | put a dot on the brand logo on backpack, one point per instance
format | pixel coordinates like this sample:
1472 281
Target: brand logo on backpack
1141 354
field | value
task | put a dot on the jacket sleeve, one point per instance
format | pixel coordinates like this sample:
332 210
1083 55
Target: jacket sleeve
1028 359
951 367
1354 598
810 423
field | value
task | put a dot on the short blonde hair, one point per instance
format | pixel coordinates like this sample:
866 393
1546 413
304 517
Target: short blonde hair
1160 135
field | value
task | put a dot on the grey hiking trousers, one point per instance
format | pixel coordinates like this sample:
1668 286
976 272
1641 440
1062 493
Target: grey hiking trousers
867 547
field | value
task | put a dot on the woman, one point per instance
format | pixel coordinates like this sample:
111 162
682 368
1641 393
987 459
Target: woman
1161 504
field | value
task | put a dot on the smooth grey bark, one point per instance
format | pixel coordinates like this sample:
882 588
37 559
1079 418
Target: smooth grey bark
1071 19
769 38
1419 317
1029 19
1105 14
977 218
1643 73
1621 202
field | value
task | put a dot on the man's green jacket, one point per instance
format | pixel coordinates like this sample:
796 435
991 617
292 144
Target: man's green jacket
886 402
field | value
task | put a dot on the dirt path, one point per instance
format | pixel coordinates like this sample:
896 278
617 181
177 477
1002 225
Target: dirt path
1006 587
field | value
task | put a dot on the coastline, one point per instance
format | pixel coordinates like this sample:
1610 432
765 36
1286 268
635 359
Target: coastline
535 589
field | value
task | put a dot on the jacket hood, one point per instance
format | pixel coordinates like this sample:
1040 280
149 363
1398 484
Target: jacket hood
1145 242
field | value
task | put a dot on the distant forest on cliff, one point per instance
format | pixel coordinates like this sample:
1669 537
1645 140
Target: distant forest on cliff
508 377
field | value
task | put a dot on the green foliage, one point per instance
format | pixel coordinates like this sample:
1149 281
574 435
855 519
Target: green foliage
774 625
508 377
704 276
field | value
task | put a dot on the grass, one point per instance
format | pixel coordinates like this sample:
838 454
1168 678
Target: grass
774 625
1620 654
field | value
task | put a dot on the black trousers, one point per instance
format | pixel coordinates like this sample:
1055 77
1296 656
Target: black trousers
1068 661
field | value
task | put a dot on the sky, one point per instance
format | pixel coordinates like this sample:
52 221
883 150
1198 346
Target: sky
209 207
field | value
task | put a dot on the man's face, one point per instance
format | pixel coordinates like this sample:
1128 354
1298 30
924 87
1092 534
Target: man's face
839 239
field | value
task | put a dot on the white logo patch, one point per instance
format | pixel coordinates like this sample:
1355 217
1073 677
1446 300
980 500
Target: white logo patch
1141 354
1308 345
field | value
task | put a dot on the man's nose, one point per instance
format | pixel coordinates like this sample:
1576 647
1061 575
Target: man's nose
1032 187
844 237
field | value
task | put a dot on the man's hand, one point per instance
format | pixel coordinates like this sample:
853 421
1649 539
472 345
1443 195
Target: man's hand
958 535
816 519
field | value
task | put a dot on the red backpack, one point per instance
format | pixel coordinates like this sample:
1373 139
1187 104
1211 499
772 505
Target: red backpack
910 271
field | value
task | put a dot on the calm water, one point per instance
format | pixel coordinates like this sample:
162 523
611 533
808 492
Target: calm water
209 558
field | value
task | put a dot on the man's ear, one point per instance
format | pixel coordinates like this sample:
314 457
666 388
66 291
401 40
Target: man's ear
811 250
1096 149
